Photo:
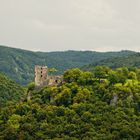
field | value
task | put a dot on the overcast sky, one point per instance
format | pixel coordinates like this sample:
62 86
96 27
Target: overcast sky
56 25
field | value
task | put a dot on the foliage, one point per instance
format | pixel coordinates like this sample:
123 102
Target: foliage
31 86
86 106
52 70
9 91
131 61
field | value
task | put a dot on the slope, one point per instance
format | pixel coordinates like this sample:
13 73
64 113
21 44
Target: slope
127 61
82 108
19 64
9 91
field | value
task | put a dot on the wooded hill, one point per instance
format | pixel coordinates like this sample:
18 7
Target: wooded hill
9 91
19 64
99 105
131 61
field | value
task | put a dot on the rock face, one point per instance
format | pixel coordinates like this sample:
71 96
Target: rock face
114 100
43 79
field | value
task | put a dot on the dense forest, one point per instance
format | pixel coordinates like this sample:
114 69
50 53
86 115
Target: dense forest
19 64
9 91
127 61
103 104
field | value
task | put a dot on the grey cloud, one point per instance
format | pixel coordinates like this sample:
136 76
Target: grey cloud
51 25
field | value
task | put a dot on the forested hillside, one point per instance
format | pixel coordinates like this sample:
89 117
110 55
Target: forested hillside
9 91
99 105
19 64
127 61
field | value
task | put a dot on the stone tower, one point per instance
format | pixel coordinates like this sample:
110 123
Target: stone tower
41 75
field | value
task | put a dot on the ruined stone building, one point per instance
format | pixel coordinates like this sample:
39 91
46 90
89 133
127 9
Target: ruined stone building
42 77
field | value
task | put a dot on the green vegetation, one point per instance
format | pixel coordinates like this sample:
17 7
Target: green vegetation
100 105
127 61
19 64
9 91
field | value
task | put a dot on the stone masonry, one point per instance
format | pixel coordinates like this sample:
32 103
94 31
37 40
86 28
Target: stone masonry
42 77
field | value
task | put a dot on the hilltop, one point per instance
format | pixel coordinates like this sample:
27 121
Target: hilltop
99 105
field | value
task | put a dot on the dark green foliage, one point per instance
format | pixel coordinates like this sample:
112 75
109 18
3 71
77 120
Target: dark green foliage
86 106
9 91
31 86
19 64
131 61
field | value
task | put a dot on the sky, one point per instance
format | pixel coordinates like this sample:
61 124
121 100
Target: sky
58 25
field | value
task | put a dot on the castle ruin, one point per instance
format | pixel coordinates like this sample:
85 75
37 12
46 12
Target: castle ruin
42 77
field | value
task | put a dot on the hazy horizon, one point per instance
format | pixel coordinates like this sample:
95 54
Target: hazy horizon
65 50
70 25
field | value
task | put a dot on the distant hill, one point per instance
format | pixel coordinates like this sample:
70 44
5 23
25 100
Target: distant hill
117 62
9 90
19 64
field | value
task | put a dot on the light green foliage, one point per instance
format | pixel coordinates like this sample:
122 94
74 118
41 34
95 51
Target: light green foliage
13 121
72 75
101 72
31 86
52 70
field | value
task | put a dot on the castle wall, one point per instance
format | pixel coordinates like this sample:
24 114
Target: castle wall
41 75
55 80
42 78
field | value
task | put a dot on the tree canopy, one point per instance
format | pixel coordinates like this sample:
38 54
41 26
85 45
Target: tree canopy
100 105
